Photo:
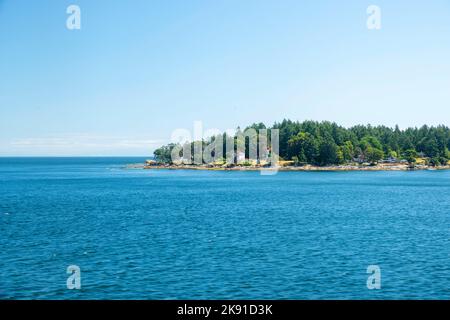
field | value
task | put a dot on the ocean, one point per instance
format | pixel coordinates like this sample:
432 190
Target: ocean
180 234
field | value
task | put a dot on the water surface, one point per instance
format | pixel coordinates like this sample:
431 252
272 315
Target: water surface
164 234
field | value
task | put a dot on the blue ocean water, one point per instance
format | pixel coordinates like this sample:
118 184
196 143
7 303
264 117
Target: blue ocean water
176 234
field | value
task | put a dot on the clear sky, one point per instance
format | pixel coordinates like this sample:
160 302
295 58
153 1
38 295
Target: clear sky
137 70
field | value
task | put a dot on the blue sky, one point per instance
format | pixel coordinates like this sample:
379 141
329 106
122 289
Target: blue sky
138 70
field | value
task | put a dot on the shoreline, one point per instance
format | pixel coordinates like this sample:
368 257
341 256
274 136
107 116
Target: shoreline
379 167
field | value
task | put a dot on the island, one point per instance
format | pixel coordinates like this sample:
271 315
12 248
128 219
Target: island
312 146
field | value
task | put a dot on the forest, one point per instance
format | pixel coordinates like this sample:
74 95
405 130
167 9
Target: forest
327 143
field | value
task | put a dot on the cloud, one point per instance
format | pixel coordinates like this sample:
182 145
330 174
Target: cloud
82 144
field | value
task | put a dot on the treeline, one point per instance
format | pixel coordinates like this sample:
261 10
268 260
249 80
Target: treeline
326 143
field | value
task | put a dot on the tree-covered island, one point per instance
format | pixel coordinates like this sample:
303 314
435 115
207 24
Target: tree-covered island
326 145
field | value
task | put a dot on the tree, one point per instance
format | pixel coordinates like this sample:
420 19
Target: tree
435 162
370 141
163 154
374 154
328 153
393 154
304 147
340 155
348 151
326 143
410 155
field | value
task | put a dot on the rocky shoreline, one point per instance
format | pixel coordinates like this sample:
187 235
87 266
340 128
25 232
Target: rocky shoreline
353 167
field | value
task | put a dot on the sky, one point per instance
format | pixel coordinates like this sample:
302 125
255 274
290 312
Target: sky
138 70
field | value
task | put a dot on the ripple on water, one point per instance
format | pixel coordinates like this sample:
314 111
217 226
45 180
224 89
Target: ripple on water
223 235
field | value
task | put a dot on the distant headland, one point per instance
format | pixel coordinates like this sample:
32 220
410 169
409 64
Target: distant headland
312 146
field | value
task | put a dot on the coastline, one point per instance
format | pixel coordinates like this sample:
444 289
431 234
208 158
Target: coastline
378 167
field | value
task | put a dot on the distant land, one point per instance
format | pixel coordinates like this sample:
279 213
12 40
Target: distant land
312 145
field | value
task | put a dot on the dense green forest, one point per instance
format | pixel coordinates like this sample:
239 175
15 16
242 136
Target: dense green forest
326 143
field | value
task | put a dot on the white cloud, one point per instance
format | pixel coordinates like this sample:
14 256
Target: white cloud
79 145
